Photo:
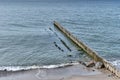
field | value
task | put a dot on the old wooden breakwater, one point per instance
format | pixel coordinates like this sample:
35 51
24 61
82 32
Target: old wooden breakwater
88 50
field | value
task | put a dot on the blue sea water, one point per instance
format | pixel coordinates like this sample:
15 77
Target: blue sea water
26 40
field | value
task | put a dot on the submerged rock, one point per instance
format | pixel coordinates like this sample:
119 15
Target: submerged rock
58 47
69 55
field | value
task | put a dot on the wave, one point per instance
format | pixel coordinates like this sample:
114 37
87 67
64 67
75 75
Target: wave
19 25
116 62
23 68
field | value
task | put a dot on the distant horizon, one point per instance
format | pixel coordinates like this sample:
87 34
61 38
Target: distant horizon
57 0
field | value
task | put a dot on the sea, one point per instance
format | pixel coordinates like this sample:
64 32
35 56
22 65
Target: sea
28 38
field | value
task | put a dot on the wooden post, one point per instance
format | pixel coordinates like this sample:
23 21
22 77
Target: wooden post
88 50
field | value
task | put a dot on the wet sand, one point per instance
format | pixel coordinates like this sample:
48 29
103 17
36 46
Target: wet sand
76 72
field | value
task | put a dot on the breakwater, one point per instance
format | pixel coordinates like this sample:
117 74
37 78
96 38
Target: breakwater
88 50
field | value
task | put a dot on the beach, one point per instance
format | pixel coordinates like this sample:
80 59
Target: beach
76 72
30 44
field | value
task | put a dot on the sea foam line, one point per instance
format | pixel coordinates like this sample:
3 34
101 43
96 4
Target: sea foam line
19 68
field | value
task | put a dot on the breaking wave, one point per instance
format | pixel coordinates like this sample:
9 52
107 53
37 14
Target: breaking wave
22 68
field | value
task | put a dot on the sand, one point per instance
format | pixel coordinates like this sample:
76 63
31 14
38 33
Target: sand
76 72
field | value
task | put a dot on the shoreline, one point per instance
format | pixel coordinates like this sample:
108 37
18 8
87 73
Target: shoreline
75 72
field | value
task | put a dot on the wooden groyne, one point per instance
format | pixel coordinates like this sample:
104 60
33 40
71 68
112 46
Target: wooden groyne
88 50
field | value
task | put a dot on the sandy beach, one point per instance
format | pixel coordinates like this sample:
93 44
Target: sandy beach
76 72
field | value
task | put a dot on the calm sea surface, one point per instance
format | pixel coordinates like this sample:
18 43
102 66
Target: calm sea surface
26 40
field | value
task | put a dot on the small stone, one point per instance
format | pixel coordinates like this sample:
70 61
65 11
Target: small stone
81 62
109 75
99 65
93 70
5 69
90 64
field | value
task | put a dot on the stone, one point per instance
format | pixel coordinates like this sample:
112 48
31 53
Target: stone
69 55
99 65
90 64
81 62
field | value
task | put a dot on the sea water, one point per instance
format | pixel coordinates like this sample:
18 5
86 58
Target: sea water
26 38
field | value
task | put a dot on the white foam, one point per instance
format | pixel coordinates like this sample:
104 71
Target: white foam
19 68
116 63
